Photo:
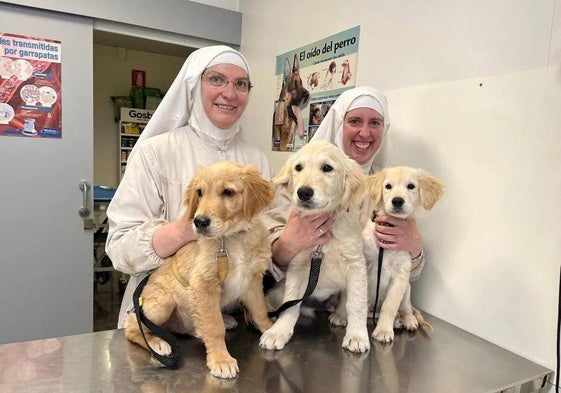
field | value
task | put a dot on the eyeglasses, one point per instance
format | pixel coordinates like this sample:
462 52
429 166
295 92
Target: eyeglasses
242 85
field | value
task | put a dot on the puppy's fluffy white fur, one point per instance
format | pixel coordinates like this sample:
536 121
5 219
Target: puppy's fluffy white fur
224 201
400 192
321 179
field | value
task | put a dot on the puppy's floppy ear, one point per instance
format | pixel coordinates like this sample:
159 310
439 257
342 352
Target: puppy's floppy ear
191 199
375 184
258 193
284 177
430 189
355 185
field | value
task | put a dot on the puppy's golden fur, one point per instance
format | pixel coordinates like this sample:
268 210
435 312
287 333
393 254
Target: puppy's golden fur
223 200
400 192
322 179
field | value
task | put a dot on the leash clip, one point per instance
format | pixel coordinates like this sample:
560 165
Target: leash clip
222 253
317 254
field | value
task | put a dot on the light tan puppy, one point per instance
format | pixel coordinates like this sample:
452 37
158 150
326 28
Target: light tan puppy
224 201
400 192
319 178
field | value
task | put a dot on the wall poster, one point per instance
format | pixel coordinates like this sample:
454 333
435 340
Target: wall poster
30 87
308 80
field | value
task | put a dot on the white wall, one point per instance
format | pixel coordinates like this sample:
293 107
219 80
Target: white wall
474 93
112 77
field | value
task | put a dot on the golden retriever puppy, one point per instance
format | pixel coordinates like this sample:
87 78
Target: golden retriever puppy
187 293
322 179
400 192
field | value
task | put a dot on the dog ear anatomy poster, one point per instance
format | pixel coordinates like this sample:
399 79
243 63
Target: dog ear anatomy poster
308 80
30 88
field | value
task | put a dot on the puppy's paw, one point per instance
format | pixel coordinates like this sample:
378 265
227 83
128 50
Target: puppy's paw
159 345
383 334
410 322
356 342
337 320
229 322
272 339
223 367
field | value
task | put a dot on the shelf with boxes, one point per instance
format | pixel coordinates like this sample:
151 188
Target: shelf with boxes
131 125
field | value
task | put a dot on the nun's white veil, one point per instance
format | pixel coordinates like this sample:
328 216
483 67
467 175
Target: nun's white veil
183 97
331 128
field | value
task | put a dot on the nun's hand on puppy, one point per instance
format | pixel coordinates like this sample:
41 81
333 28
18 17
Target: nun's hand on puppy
301 232
398 234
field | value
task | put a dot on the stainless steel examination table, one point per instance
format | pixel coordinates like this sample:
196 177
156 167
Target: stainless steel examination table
448 359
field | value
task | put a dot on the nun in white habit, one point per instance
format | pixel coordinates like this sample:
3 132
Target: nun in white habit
196 124
359 134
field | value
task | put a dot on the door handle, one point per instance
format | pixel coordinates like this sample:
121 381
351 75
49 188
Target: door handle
84 210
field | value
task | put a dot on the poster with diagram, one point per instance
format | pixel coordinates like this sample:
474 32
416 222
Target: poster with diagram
308 80
30 87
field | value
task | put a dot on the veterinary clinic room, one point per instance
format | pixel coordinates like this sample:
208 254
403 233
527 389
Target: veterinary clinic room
297 196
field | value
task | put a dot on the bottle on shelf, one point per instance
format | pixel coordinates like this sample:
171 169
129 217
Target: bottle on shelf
131 125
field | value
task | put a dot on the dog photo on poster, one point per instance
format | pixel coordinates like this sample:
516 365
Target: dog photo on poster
308 80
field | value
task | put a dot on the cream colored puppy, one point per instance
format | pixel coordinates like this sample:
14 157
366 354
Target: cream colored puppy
322 179
400 192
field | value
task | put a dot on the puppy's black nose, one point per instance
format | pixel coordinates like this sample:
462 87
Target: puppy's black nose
398 202
201 222
305 193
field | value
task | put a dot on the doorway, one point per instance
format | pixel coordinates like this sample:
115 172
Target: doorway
114 56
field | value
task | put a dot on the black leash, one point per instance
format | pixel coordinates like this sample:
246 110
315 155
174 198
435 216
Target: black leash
380 259
317 258
172 360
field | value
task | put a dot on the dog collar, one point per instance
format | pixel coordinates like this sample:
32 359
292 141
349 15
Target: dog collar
176 272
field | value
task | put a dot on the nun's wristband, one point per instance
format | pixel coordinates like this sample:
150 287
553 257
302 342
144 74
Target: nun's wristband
418 256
